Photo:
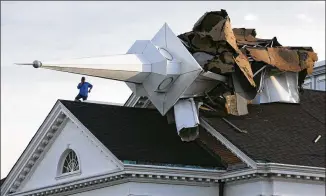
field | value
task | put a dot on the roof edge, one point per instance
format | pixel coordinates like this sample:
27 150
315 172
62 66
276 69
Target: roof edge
75 120
256 165
120 105
154 169
236 151
293 169
30 148
131 173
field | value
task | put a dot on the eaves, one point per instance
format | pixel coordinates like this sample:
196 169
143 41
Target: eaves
264 168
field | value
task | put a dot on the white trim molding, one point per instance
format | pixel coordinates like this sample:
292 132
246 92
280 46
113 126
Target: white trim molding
61 161
269 170
34 151
92 138
132 173
236 151
170 175
173 171
40 144
292 170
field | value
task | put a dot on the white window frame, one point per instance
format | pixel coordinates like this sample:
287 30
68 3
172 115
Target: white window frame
61 161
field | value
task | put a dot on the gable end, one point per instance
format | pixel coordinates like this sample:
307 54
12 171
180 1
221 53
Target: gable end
33 152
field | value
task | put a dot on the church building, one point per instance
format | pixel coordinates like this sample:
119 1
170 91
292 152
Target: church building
100 149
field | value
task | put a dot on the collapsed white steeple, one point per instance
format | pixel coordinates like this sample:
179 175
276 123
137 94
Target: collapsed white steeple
161 69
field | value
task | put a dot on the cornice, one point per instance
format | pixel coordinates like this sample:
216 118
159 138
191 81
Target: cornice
167 175
292 170
40 144
173 171
118 178
34 150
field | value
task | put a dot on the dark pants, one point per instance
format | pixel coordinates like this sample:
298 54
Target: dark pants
79 96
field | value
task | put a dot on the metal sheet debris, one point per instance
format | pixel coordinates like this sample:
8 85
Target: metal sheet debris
186 119
222 67
282 87
259 70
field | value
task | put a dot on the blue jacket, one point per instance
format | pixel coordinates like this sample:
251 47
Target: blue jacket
83 88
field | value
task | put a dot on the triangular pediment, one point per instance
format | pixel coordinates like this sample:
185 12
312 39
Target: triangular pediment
61 141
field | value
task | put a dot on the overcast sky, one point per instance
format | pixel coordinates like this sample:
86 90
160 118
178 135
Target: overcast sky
57 30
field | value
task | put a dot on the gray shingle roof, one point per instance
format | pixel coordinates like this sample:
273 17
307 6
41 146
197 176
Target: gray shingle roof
281 133
140 135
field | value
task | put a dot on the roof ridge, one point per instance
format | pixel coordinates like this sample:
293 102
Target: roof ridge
103 104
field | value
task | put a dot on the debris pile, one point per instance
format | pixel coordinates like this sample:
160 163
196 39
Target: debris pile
259 70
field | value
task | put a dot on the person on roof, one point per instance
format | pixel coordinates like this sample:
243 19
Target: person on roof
84 89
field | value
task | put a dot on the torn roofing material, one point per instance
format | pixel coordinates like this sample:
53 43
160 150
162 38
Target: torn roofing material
213 34
137 134
248 37
285 59
243 34
280 133
172 73
249 62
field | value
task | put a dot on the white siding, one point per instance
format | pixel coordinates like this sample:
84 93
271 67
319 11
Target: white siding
298 188
149 189
92 160
249 188
275 187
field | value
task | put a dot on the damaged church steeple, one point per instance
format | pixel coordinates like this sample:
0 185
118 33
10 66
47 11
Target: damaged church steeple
213 68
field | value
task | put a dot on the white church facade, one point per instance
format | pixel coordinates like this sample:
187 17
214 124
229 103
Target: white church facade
91 149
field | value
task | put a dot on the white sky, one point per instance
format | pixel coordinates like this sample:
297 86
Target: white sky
56 30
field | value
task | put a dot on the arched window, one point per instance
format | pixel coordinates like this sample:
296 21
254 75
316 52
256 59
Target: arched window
70 163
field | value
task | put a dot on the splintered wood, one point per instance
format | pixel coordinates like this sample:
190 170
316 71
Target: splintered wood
238 53
212 34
